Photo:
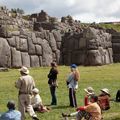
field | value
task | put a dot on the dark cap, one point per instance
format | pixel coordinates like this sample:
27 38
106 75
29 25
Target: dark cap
53 64
11 104
73 66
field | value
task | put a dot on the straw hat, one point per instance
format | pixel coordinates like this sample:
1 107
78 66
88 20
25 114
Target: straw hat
24 70
105 90
89 90
35 90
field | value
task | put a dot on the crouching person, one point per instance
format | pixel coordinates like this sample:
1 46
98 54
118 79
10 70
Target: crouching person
89 112
37 102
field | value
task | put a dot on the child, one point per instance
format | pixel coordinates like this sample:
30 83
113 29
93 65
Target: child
37 102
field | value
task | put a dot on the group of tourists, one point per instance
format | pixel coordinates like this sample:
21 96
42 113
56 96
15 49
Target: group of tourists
29 99
93 105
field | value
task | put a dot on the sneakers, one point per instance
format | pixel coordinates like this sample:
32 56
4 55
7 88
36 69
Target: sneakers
35 117
65 115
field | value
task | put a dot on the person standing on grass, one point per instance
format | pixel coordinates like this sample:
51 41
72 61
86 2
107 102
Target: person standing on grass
53 82
72 83
11 114
25 84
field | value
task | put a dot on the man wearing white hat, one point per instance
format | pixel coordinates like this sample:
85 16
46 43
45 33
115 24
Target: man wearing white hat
25 84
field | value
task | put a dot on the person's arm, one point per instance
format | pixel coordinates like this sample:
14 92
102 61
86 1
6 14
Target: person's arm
80 108
86 101
18 83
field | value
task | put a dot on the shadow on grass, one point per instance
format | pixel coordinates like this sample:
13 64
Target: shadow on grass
60 107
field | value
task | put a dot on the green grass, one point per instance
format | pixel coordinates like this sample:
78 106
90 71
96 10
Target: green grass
98 77
111 26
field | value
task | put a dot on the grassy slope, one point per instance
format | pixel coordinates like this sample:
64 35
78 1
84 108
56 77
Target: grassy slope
97 77
113 26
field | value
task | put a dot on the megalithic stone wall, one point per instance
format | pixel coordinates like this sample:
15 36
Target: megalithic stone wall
90 47
43 40
29 50
116 46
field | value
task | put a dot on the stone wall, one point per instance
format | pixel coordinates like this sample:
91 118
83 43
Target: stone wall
116 46
44 39
89 47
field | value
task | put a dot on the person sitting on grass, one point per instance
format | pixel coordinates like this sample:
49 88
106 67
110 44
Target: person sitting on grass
104 99
37 102
89 112
89 92
11 114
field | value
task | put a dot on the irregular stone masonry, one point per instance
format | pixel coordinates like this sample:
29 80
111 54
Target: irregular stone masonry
45 39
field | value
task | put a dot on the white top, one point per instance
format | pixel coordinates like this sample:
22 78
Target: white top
36 100
72 82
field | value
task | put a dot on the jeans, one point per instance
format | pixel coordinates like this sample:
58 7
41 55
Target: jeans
53 95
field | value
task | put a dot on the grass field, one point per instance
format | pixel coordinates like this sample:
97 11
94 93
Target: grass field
98 77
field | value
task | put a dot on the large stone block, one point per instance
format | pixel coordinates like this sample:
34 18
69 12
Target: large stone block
57 35
40 61
34 61
23 45
11 41
5 54
93 58
92 44
59 45
38 50
47 53
33 35
16 58
90 33
110 51
116 48
78 57
67 58
39 41
116 58
82 43
31 47
25 59
52 42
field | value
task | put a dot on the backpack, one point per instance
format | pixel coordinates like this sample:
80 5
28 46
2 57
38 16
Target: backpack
118 96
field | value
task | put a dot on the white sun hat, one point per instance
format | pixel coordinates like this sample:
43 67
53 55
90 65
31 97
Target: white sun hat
89 90
35 90
24 70
105 90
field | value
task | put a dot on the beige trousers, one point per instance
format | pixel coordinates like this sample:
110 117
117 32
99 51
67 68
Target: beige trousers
24 104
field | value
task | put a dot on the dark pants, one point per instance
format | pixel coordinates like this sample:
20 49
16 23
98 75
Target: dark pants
118 96
53 95
72 97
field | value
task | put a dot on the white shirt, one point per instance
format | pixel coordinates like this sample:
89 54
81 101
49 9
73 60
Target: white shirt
72 82
36 101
